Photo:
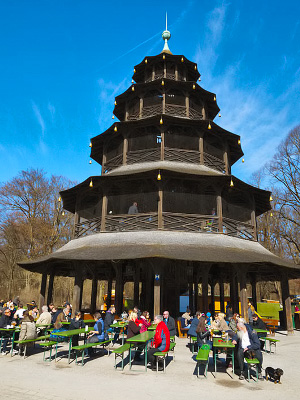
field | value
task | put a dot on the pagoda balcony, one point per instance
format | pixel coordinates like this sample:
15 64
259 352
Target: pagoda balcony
160 76
173 110
169 154
168 222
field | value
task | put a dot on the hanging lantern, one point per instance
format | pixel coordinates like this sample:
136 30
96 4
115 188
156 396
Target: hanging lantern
132 81
219 115
113 117
162 83
215 98
59 199
161 121
159 176
115 128
132 88
115 102
164 57
146 61
243 160
199 79
195 67
271 215
209 126
231 183
134 71
239 141
91 183
63 213
90 162
90 145
271 198
194 86
182 59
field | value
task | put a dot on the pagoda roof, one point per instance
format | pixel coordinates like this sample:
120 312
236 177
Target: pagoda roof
201 247
138 75
234 148
209 97
262 197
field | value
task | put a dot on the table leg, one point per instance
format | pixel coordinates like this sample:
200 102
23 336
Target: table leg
12 343
70 347
215 357
130 356
232 359
146 355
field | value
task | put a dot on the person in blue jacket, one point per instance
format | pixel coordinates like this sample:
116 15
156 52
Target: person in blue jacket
194 324
246 339
96 335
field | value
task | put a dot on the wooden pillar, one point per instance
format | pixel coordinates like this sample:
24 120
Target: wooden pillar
94 294
153 72
253 223
125 150
222 297
201 149
212 296
126 111
162 146
77 291
187 105
220 213
286 300
196 285
160 208
119 289
109 289
157 279
225 158
164 103
81 293
253 287
243 292
176 72
165 69
136 290
104 213
103 161
141 107
43 291
205 290
234 299
50 288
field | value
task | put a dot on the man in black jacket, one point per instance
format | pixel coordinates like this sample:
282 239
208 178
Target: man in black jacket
170 322
4 321
108 321
258 323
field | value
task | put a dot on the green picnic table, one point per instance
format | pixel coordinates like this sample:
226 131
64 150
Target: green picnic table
260 330
70 334
120 325
152 327
141 339
10 332
224 346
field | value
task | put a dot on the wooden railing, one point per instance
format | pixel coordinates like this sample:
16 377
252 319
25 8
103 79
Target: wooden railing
170 154
170 109
170 222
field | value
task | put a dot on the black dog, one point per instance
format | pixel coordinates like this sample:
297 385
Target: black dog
274 374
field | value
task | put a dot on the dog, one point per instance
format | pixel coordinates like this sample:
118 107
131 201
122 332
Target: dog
274 374
250 354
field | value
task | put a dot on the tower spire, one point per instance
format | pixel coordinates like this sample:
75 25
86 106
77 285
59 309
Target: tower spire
166 36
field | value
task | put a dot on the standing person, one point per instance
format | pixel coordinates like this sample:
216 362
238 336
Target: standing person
247 339
186 319
133 209
161 341
170 322
97 335
229 312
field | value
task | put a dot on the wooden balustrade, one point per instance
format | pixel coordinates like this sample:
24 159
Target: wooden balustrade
213 162
170 109
179 155
144 155
171 222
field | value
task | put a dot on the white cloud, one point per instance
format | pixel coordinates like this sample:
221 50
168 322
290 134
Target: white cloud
52 110
39 117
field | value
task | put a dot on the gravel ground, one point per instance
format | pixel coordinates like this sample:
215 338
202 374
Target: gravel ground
31 378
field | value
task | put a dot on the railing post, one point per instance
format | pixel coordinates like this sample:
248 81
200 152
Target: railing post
253 223
103 214
201 149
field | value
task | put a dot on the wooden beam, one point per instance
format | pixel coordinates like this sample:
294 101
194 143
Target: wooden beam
201 149
94 294
50 288
136 288
109 289
187 105
220 213
225 158
77 290
253 287
253 223
287 307
176 72
160 209
205 290
234 291
156 294
43 291
104 213
222 297
119 289
212 296
125 150
164 102
103 161
243 292
162 146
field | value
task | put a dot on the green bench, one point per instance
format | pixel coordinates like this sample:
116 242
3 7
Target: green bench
83 347
119 352
202 358
49 345
272 342
25 342
161 356
252 362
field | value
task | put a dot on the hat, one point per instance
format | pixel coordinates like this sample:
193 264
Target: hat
208 314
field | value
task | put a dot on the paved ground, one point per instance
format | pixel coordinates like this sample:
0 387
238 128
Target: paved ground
33 379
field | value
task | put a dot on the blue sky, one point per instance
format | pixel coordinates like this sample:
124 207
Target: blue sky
63 62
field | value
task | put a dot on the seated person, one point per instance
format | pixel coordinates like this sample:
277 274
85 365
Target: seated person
76 323
5 321
219 323
62 316
133 209
28 329
186 319
45 317
258 323
247 339
233 321
132 330
202 333
170 322
97 335
194 324
18 315
144 321
34 312
161 341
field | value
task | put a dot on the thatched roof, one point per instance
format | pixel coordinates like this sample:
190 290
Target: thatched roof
202 247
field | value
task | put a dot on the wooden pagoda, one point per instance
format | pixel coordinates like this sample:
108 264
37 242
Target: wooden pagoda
195 223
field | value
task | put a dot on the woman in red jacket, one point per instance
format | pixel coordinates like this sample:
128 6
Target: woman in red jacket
161 341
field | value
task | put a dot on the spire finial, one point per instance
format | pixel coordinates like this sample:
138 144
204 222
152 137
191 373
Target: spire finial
166 36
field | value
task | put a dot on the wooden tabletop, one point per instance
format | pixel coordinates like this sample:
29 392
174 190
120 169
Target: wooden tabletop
142 337
222 343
